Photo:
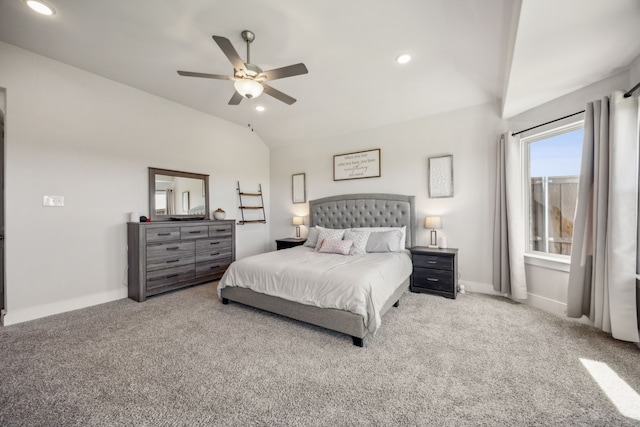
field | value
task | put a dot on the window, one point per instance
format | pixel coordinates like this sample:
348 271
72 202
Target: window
552 167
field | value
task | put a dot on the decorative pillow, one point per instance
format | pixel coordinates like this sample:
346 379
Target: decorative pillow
402 229
312 238
328 233
385 241
359 240
333 246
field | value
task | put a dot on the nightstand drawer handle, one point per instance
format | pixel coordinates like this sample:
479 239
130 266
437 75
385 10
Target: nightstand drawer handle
431 262
432 279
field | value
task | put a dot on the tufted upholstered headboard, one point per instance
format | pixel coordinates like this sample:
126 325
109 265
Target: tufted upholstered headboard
365 210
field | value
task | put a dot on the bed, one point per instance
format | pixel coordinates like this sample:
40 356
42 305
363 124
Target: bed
336 212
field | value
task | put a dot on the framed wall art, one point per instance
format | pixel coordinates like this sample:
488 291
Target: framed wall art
361 164
298 188
441 176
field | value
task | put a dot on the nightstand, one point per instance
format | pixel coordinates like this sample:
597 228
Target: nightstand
289 242
435 271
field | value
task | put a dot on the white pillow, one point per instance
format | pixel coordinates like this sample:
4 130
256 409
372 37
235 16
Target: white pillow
385 241
402 229
359 239
332 246
328 233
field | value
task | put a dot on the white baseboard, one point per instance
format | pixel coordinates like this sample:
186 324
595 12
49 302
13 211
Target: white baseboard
478 287
31 313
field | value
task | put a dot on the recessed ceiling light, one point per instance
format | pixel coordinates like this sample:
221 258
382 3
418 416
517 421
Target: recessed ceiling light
403 59
259 108
40 7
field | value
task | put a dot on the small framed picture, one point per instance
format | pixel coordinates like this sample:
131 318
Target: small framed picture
298 188
441 176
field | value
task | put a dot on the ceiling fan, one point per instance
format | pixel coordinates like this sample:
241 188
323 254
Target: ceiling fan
249 78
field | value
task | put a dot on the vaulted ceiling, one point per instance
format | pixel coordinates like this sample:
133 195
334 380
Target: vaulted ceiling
516 54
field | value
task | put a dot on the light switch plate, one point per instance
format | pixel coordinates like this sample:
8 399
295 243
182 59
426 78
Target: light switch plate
53 201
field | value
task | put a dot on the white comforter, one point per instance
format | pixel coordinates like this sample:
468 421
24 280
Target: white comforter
357 283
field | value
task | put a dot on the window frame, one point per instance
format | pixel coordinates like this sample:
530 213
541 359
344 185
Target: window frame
525 142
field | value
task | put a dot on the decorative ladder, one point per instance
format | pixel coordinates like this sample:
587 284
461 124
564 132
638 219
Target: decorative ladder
243 207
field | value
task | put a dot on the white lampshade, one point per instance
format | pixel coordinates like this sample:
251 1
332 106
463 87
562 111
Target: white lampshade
248 88
298 220
433 222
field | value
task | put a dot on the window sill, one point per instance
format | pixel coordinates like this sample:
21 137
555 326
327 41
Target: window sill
548 261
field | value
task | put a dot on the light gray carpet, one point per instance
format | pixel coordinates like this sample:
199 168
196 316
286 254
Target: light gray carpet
186 359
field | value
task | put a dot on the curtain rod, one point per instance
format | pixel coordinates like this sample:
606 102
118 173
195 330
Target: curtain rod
626 95
552 121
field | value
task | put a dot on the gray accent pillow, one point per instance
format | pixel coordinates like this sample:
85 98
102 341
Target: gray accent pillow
385 241
329 233
360 239
312 238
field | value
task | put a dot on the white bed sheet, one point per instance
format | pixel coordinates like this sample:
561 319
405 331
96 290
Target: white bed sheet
357 283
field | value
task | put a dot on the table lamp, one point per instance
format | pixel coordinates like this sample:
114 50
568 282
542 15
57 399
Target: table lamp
434 223
298 221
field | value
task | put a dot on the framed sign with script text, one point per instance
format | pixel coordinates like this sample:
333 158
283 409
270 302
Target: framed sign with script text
362 164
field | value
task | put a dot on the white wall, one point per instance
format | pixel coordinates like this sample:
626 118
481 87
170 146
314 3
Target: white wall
74 134
470 135
548 281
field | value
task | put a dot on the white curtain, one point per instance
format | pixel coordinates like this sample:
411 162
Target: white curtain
602 277
508 231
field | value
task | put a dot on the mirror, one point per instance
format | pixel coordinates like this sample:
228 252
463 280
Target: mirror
177 195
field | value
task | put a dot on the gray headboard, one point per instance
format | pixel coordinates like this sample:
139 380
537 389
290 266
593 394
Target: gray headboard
365 210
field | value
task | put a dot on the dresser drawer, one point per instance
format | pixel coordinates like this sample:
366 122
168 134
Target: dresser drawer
220 230
213 254
163 251
441 280
167 276
211 244
433 261
212 268
197 232
163 234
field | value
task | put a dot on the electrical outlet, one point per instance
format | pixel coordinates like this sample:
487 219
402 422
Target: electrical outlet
53 201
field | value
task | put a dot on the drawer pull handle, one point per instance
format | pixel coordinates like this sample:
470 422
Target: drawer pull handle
214 243
164 234
173 248
172 275
217 253
221 229
214 267
195 232
431 262
172 260
432 279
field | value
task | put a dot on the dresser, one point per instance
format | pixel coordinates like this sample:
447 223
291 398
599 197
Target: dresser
435 271
164 256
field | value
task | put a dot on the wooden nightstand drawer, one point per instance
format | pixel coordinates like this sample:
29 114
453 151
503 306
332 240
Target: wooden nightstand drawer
441 280
437 262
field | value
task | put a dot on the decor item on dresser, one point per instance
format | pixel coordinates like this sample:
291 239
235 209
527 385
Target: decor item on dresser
289 242
345 293
297 221
167 256
361 164
298 188
433 223
172 193
435 271
441 176
219 214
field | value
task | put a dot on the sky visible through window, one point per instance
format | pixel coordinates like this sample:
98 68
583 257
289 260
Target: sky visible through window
559 155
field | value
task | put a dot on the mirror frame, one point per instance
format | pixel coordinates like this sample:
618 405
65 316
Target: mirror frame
152 194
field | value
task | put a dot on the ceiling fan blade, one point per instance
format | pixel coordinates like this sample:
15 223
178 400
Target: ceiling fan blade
290 71
235 99
207 76
278 95
230 52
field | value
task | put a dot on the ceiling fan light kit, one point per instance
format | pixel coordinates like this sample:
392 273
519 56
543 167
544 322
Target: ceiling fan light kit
249 78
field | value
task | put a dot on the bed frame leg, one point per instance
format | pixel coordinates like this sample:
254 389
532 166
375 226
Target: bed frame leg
225 301
397 304
358 341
